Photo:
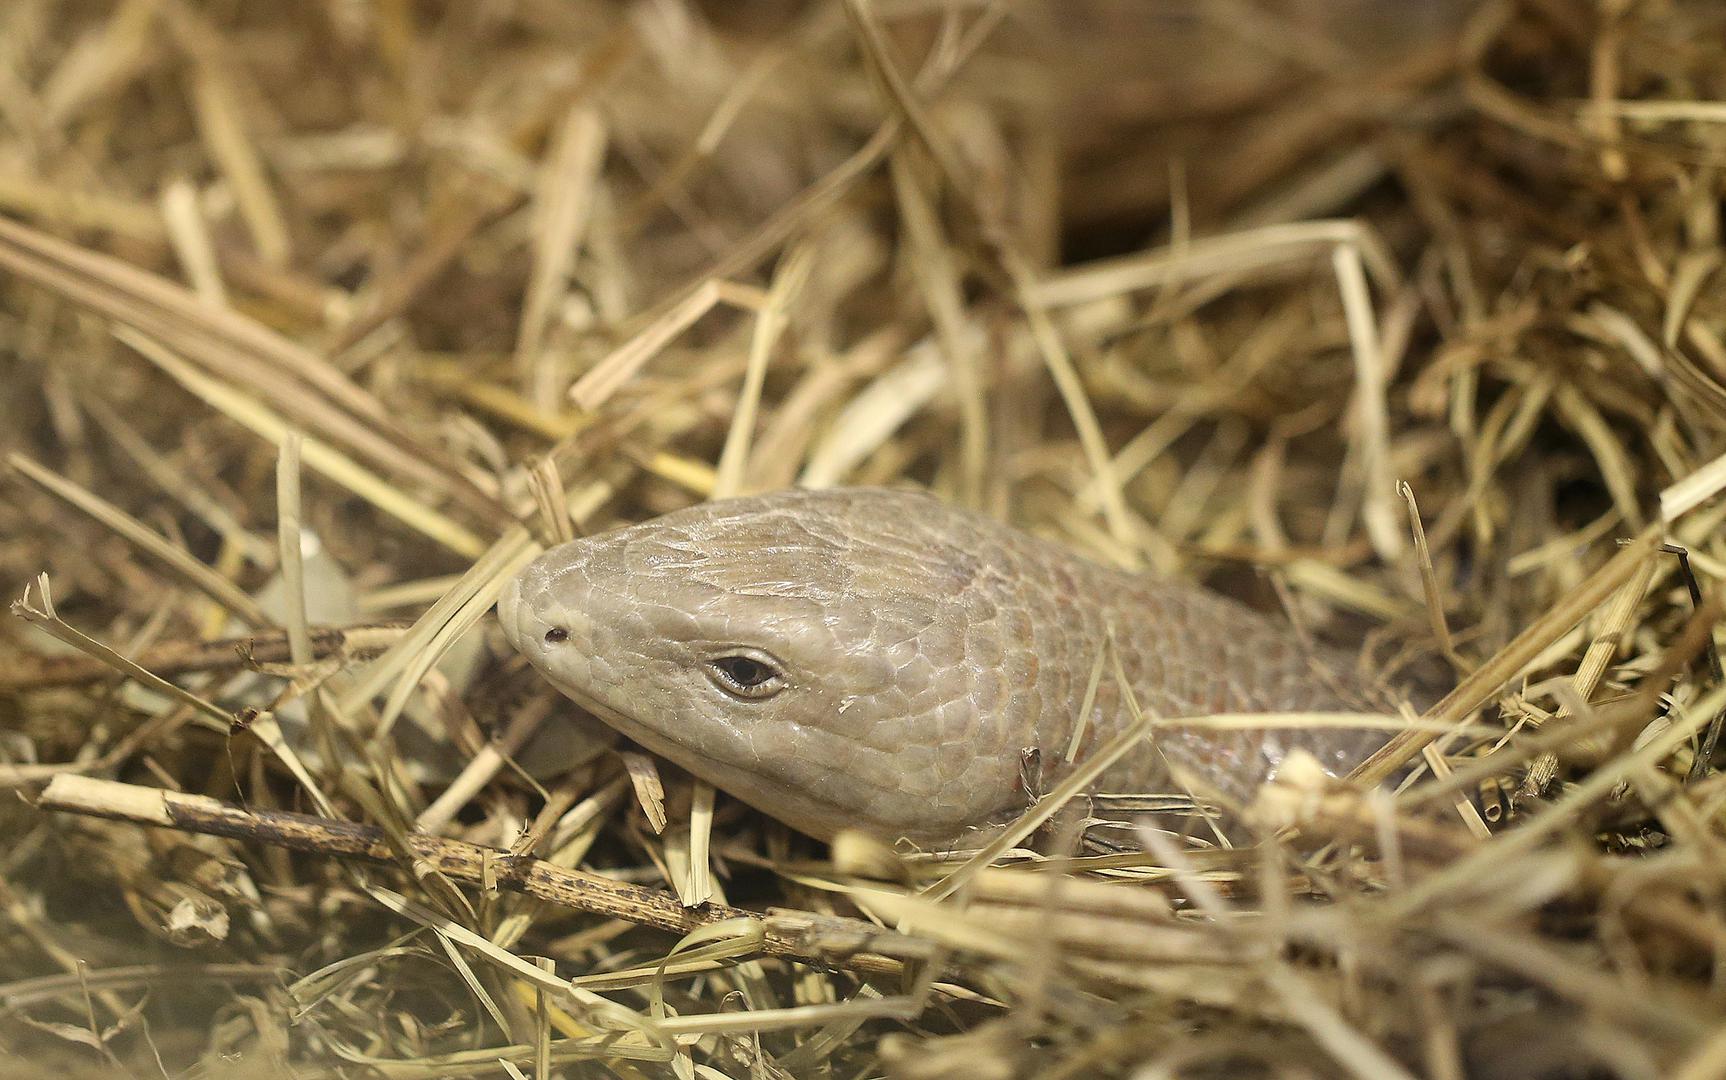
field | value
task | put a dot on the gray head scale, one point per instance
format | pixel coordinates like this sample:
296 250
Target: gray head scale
837 659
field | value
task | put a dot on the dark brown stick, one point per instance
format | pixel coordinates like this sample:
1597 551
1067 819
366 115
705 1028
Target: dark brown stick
177 658
807 937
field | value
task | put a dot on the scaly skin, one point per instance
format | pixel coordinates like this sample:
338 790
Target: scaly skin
920 652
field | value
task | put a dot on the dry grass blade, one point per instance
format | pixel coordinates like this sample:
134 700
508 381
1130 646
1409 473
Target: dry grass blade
44 616
289 516
191 240
269 425
1371 380
563 207
235 152
229 343
857 945
1483 682
175 558
179 658
770 323
174 483
603 379
477 598
487 575
315 316
1356 1053
872 417
1598 785
1233 254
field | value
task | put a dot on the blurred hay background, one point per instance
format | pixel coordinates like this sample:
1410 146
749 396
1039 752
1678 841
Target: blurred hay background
1193 287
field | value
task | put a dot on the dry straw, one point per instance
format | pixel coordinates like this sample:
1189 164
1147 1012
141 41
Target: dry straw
319 320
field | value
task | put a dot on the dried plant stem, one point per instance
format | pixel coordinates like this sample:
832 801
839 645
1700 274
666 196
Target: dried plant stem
147 541
338 467
48 619
823 941
289 530
1479 686
180 657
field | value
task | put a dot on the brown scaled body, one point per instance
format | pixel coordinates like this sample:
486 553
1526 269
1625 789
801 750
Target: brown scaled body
877 659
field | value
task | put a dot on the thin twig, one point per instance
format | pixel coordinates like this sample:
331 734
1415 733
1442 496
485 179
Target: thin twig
824 941
180 657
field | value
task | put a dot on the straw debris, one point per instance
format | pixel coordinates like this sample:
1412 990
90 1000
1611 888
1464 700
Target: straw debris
319 320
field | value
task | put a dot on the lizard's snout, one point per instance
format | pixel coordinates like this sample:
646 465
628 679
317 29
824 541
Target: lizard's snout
544 604
519 607
509 607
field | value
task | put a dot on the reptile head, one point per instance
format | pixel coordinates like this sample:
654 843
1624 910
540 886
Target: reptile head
834 658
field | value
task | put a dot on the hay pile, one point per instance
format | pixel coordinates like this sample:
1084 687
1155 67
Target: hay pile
1404 317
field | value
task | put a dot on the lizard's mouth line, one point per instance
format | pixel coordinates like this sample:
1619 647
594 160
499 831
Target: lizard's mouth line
748 784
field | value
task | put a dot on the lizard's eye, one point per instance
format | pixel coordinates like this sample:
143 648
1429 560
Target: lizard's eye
749 677
556 635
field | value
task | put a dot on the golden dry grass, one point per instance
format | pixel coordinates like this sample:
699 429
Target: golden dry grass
1404 317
